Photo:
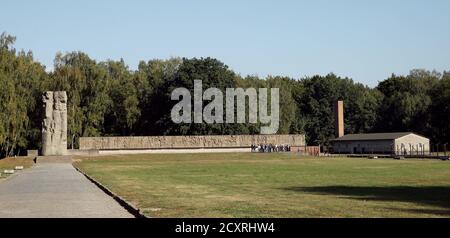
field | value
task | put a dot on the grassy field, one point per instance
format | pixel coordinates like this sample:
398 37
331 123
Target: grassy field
11 163
275 185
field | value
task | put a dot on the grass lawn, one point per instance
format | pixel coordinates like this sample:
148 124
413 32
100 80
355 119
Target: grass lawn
275 185
11 163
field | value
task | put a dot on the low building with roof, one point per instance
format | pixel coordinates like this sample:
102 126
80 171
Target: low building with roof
399 143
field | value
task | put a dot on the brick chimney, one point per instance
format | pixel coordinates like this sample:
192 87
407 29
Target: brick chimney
339 118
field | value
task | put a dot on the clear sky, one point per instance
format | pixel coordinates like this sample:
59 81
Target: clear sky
366 40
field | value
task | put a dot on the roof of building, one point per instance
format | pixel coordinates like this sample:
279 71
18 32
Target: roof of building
373 136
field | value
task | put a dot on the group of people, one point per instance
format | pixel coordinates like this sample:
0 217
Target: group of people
270 148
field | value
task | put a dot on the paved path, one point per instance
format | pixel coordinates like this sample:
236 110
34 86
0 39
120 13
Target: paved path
55 190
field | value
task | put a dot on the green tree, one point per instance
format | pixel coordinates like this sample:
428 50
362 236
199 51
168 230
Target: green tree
407 101
440 111
316 103
122 115
213 73
21 79
87 85
149 81
288 109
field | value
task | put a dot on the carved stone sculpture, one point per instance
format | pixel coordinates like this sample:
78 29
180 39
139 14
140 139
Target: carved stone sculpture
54 125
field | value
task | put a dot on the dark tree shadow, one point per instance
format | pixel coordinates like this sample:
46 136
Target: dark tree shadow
438 212
438 196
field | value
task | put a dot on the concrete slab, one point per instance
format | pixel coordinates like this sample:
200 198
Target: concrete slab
8 171
55 190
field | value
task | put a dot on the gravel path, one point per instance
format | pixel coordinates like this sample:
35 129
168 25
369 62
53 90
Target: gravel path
55 190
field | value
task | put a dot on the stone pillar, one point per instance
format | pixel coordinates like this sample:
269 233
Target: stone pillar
54 125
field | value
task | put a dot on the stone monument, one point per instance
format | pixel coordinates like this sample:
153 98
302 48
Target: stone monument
54 125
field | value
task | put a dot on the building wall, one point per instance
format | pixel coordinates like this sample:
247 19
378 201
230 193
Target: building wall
408 145
363 147
178 142
411 145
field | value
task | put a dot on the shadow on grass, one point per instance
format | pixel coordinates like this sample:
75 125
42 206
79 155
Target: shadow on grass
437 196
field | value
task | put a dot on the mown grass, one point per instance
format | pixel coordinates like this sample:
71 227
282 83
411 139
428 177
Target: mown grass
11 163
275 185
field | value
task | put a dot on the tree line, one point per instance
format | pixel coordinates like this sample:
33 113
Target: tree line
109 99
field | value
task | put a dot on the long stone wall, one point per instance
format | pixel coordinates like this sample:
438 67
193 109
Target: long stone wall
183 142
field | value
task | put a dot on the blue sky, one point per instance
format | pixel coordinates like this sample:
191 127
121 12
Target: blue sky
365 40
